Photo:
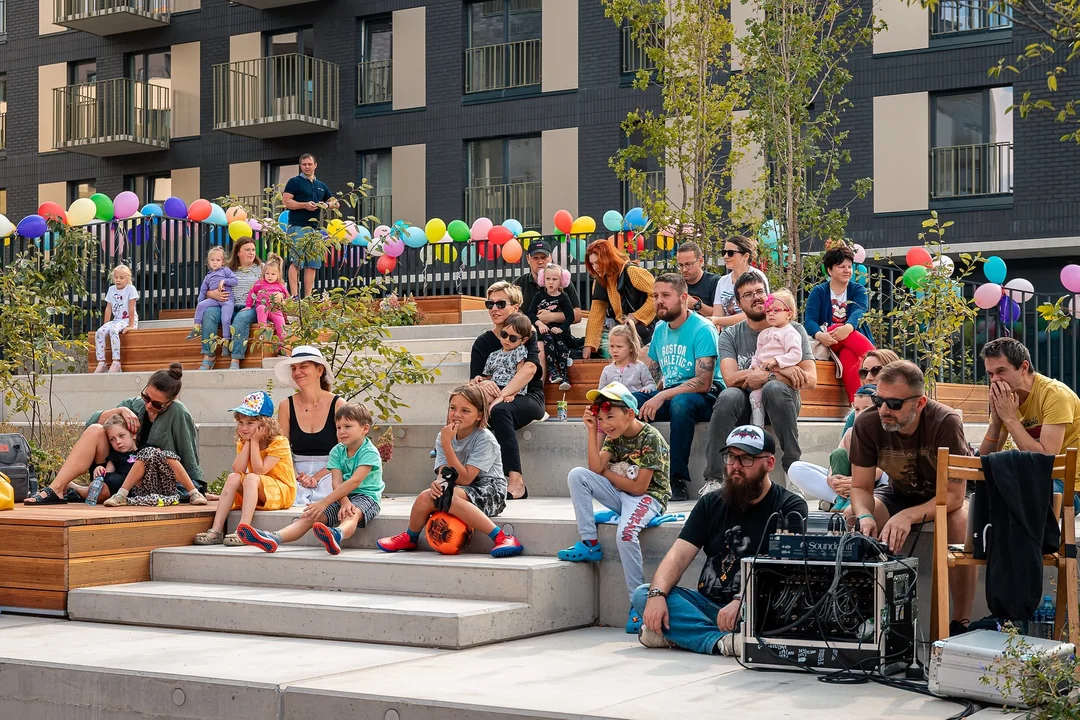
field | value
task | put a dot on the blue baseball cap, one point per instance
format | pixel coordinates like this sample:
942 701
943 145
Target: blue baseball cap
256 404
614 391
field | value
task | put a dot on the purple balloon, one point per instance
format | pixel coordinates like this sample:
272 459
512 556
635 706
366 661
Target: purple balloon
32 226
176 208
143 232
1008 310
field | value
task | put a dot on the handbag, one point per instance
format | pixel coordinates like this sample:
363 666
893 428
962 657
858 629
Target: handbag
7 493
824 354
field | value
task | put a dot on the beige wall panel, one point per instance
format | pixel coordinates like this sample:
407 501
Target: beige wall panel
559 32
410 66
185 5
46 15
409 192
908 26
245 47
246 178
186 89
53 192
50 77
186 184
747 173
558 175
740 13
901 152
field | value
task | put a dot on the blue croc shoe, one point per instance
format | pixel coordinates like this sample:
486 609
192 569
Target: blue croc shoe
582 552
633 622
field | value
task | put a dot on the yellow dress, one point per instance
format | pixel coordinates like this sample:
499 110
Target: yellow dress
279 484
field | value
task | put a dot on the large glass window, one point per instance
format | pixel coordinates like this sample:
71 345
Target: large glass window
80 189
972 144
150 188
84 71
150 65
301 42
377 169
504 48
374 72
503 180
954 17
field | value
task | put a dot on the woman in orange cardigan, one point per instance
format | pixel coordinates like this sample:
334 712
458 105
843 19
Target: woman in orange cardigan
622 293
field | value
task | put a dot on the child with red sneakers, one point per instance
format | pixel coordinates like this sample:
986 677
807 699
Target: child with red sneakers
356 467
467 446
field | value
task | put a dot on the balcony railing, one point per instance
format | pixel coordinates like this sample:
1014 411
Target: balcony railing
111 117
3 17
276 96
634 55
3 131
112 17
963 16
654 180
378 206
519 201
374 82
972 170
502 67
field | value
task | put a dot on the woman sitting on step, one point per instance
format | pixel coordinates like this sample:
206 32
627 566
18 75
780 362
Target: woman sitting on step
247 267
156 419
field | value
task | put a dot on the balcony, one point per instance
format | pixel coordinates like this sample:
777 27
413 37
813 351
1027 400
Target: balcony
3 131
968 171
374 82
519 201
654 180
502 67
378 206
112 17
111 117
956 17
276 96
634 55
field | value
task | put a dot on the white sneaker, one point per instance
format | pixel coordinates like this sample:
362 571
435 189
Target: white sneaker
731 645
651 639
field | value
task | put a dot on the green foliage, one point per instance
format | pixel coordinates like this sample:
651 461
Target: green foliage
929 319
1046 685
1057 316
37 287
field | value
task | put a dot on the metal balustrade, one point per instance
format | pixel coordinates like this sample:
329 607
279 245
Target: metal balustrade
953 17
111 117
378 206
276 96
111 17
634 55
503 66
374 82
971 170
499 202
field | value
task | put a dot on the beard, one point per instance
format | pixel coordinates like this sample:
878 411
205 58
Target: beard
668 314
755 313
740 493
900 423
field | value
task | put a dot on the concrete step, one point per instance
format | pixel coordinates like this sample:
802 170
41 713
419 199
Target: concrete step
422 332
471 317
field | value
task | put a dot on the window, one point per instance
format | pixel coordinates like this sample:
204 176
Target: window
634 56
3 21
651 166
972 144
150 188
377 168
82 72
956 17
374 71
301 42
80 189
152 72
3 112
145 67
3 201
279 173
503 180
504 49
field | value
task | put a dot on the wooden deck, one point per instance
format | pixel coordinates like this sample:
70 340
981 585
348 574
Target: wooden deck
47 551
446 309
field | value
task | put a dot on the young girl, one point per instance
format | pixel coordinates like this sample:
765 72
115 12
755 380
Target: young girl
625 348
267 290
119 317
502 365
778 346
553 299
219 277
262 476
467 446
139 477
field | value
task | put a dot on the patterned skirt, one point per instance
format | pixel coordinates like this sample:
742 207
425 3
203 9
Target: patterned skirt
158 485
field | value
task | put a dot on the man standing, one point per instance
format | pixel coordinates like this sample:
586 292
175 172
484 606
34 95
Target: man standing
779 388
730 523
700 284
1040 414
302 198
682 360
539 256
902 436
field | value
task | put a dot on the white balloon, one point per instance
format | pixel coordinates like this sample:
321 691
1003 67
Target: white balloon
1073 306
6 228
946 265
1022 290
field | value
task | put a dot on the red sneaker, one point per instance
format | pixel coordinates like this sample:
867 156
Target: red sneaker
508 547
401 541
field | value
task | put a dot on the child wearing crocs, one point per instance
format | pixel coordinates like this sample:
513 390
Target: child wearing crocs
628 474
356 467
262 476
467 446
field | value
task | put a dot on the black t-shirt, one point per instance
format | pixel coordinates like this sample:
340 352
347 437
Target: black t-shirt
489 343
144 431
304 190
559 303
121 461
530 287
704 289
728 536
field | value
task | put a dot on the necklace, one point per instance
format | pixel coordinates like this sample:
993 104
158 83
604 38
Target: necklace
315 406
729 561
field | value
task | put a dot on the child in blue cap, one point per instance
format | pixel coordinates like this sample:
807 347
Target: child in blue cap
628 474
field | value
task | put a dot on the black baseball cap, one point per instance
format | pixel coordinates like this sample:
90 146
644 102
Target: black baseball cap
539 246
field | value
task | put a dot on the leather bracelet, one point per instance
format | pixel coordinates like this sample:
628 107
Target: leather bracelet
992 439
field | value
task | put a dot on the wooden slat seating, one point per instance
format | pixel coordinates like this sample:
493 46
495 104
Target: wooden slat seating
151 349
446 309
964 468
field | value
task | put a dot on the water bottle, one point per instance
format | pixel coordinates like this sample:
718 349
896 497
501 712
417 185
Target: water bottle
95 490
1048 611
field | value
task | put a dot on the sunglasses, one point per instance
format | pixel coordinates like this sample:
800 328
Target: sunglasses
489 304
605 406
864 373
730 253
509 336
891 403
153 403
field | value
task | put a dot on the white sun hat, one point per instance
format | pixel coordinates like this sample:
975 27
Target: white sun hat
300 354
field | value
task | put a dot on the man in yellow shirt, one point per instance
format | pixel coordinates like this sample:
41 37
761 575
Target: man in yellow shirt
1040 414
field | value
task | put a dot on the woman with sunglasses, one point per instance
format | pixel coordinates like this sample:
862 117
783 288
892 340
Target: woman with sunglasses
156 419
872 365
738 253
507 417
621 294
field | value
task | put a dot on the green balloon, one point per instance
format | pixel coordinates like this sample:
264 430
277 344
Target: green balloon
104 206
458 230
915 277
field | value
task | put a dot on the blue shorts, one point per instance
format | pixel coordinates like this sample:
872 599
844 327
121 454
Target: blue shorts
299 230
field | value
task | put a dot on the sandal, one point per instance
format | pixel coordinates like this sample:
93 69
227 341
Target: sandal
210 537
45 496
233 540
207 364
234 365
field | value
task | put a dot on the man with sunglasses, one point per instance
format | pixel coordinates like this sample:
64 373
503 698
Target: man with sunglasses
700 283
901 435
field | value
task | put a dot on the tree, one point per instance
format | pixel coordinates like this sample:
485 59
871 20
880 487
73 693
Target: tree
684 49
794 57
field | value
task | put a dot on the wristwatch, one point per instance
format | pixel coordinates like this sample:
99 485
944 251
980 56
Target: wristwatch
772 376
656 592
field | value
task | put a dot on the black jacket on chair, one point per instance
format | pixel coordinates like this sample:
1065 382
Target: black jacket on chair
1020 491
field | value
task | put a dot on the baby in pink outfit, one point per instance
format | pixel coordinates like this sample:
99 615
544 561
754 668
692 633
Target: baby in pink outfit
265 291
778 346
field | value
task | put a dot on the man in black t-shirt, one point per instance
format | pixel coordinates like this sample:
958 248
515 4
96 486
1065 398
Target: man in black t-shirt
730 523
700 283
539 255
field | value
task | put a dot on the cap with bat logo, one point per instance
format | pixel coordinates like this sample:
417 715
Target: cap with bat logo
752 440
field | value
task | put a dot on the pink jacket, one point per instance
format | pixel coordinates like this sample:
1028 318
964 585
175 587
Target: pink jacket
262 291
782 344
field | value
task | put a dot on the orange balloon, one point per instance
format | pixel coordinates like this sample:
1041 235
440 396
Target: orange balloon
511 251
234 213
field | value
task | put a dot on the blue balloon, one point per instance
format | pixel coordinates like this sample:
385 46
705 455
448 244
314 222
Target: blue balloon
415 237
770 233
143 232
862 275
217 215
363 236
995 269
283 220
152 210
635 219
32 226
613 220
514 227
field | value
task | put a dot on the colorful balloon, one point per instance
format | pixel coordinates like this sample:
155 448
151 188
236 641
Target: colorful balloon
1070 278
500 235
176 208
381 233
283 220
255 224
511 251
577 247
199 210
32 226
393 247
435 229
239 229
6 227
527 237
152 210
564 221
919 256
860 253
386 264
459 231
104 207
945 265
862 275
513 226
126 204
217 216
52 211
363 236
584 225
415 237
1021 290
915 277
335 228
994 269
235 213
81 212
480 229
613 220
988 295
635 219
445 252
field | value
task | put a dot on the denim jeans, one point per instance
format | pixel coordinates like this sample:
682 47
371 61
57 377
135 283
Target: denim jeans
241 324
683 412
691 616
782 404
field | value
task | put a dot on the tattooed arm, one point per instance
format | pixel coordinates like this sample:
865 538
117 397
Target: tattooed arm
655 371
700 383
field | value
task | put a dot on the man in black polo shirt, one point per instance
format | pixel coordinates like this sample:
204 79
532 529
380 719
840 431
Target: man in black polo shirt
700 283
303 196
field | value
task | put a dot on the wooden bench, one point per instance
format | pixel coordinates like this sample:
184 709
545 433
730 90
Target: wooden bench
146 350
446 309
827 401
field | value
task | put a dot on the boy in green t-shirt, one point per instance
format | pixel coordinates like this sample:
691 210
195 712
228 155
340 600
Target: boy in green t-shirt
356 467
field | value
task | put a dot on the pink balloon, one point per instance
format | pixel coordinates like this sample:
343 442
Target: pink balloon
126 204
394 247
255 224
1021 290
481 228
381 232
988 295
860 253
1070 278
351 231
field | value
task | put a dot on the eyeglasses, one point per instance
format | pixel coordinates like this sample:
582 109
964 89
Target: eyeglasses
891 403
865 373
605 406
753 294
689 265
489 304
776 309
731 253
153 403
509 336
744 460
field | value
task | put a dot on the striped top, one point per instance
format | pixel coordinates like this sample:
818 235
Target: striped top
245 280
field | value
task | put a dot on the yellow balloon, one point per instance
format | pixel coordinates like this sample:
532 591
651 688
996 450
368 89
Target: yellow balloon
665 242
239 229
336 229
446 253
435 230
81 212
527 237
584 225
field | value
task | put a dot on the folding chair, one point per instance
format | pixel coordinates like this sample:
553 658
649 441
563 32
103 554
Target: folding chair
962 467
